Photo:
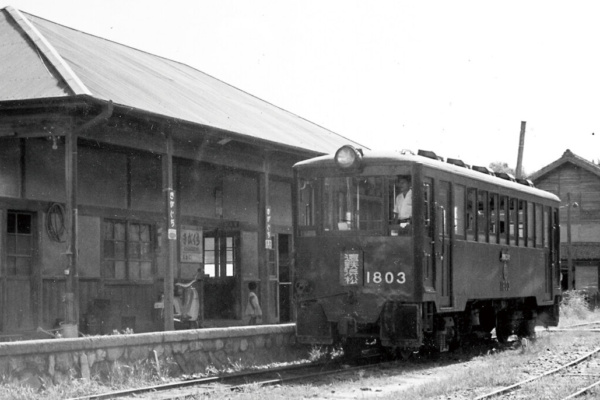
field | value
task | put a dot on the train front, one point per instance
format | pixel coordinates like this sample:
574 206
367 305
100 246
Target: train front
355 276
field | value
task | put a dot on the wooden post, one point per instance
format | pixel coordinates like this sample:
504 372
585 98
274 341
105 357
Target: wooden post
519 171
171 225
71 271
570 268
263 256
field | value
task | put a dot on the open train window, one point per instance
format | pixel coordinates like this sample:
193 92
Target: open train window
482 216
306 207
471 213
530 225
522 223
539 226
459 211
427 205
512 218
493 224
353 204
503 220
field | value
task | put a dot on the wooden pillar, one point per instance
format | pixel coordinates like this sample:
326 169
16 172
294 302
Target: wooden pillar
263 242
71 271
570 268
171 220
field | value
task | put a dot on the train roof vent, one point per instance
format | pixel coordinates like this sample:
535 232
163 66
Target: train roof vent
506 176
456 161
430 154
483 170
526 182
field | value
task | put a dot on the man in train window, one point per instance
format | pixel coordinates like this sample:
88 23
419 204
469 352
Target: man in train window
403 203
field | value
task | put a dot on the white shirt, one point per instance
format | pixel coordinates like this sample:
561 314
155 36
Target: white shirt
403 206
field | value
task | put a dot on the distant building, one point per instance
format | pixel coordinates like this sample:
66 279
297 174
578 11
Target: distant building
577 182
122 170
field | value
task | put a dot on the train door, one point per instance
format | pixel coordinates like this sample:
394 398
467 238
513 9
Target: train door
443 245
428 234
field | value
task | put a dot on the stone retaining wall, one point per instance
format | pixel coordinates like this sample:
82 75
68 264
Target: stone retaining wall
38 362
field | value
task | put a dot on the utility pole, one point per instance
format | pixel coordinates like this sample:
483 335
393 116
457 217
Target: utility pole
519 170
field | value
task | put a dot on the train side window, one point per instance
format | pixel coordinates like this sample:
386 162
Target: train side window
512 218
306 207
522 222
427 207
482 217
530 225
493 223
547 227
502 220
459 211
471 196
539 226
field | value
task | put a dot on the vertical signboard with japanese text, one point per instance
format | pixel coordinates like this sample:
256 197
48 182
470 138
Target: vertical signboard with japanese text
351 262
172 219
269 240
190 244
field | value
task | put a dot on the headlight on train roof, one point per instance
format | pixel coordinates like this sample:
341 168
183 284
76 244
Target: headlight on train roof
348 157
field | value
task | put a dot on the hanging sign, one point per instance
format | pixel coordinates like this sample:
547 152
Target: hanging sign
268 241
172 222
190 244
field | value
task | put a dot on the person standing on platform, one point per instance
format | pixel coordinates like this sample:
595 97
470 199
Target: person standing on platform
253 307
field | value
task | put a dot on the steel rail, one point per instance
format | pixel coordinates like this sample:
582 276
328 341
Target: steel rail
582 391
190 382
553 371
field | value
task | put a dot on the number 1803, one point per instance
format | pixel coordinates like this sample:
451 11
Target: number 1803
386 277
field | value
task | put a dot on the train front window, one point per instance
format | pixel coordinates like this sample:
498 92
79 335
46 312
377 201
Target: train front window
353 204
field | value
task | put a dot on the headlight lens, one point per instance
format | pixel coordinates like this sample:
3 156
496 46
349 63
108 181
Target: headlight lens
347 157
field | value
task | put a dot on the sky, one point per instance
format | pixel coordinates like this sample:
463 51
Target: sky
454 77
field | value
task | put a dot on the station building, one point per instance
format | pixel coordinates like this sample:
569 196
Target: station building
121 170
577 182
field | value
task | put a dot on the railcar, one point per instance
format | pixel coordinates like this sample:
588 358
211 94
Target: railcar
477 252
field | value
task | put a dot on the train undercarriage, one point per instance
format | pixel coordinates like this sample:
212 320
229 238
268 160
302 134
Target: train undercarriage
404 328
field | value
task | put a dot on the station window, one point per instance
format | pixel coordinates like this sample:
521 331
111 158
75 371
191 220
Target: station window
459 211
19 243
471 213
128 251
220 251
482 216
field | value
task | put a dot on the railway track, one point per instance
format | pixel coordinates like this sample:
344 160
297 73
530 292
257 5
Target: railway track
237 381
576 378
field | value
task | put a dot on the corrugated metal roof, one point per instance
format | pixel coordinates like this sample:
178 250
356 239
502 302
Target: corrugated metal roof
80 63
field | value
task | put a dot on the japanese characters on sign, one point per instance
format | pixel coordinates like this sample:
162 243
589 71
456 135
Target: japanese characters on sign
190 244
171 217
350 267
268 241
